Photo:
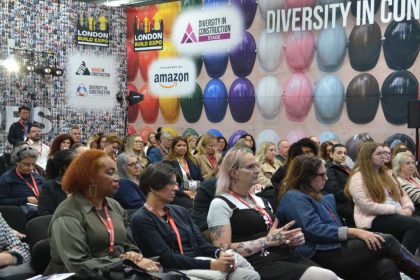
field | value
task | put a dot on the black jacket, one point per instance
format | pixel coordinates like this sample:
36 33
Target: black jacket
156 238
50 197
203 198
16 133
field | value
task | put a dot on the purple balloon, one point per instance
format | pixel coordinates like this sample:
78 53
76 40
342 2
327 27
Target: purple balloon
235 137
242 57
241 100
248 9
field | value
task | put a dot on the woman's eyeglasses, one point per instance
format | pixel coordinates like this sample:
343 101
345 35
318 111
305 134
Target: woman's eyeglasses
134 164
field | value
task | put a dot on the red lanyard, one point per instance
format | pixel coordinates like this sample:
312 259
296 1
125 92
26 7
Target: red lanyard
33 186
212 159
109 227
331 213
171 223
262 211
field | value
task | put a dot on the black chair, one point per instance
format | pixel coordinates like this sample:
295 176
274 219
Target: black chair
15 217
41 256
37 229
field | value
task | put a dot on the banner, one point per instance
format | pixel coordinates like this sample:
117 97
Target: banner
92 31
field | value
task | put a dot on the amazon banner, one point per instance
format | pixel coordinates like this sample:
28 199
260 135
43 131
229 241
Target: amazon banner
277 69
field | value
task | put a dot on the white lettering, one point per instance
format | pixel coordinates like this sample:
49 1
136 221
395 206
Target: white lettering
385 17
271 20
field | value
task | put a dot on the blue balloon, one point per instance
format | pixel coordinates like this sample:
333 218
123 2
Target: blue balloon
329 99
242 57
216 64
215 3
235 137
215 132
331 49
241 100
215 100
328 136
248 9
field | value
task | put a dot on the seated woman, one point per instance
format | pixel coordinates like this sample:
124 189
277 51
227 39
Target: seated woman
14 254
325 150
21 185
52 194
167 231
129 194
189 174
404 168
350 252
266 157
89 230
207 155
60 143
380 203
245 223
135 145
338 173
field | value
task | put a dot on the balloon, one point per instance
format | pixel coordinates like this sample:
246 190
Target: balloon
215 64
266 5
132 63
235 137
145 131
241 100
362 98
168 50
242 57
300 50
145 59
267 135
331 49
269 100
397 90
290 4
215 3
329 99
354 6
149 106
189 4
215 132
298 97
248 9
167 12
295 135
400 138
192 105
169 129
169 107
131 130
328 136
189 131
365 46
215 100
402 44
270 50
133 110
354 143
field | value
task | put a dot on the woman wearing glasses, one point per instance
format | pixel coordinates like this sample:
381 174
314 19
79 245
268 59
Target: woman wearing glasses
129 194
380 203
245 223
135 145
21 186
352 253
166 230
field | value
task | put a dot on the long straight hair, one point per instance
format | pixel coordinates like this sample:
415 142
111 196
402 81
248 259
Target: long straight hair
171 154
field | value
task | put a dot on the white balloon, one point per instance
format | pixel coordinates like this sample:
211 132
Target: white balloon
266 5
270 50
268 95
267 135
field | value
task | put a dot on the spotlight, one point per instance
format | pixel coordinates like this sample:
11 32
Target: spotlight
58 72
44 70
28 68
11 64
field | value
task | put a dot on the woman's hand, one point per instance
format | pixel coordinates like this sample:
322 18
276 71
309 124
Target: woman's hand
405 212
278 236
148 265
372 239
224 263
32 199
297 239
256 188
132 256
190 194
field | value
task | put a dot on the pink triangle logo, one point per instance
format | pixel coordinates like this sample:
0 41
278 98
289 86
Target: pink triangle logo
189 36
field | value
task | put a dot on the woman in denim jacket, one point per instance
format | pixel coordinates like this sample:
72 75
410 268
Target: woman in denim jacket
350 252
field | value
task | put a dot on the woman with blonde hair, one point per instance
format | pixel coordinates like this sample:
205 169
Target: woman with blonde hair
207 156
266 158
404 168
135 145
380 203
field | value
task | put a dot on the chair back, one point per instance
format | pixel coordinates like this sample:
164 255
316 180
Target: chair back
15 217
41 256
37 229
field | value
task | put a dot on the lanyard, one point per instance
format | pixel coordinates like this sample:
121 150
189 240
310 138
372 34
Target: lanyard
260 210
171 222
33 186
330 212
109 228
213 161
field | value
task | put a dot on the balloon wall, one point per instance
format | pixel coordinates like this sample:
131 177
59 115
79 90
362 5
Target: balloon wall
336 82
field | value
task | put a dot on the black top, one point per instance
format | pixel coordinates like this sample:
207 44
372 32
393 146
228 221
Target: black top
17 133
203 198
50 197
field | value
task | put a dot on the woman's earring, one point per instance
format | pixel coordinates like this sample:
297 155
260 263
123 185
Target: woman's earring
93 190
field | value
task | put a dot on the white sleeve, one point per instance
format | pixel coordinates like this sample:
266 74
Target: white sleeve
219 213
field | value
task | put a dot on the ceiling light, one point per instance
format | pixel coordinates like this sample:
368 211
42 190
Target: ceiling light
116 3
11 64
